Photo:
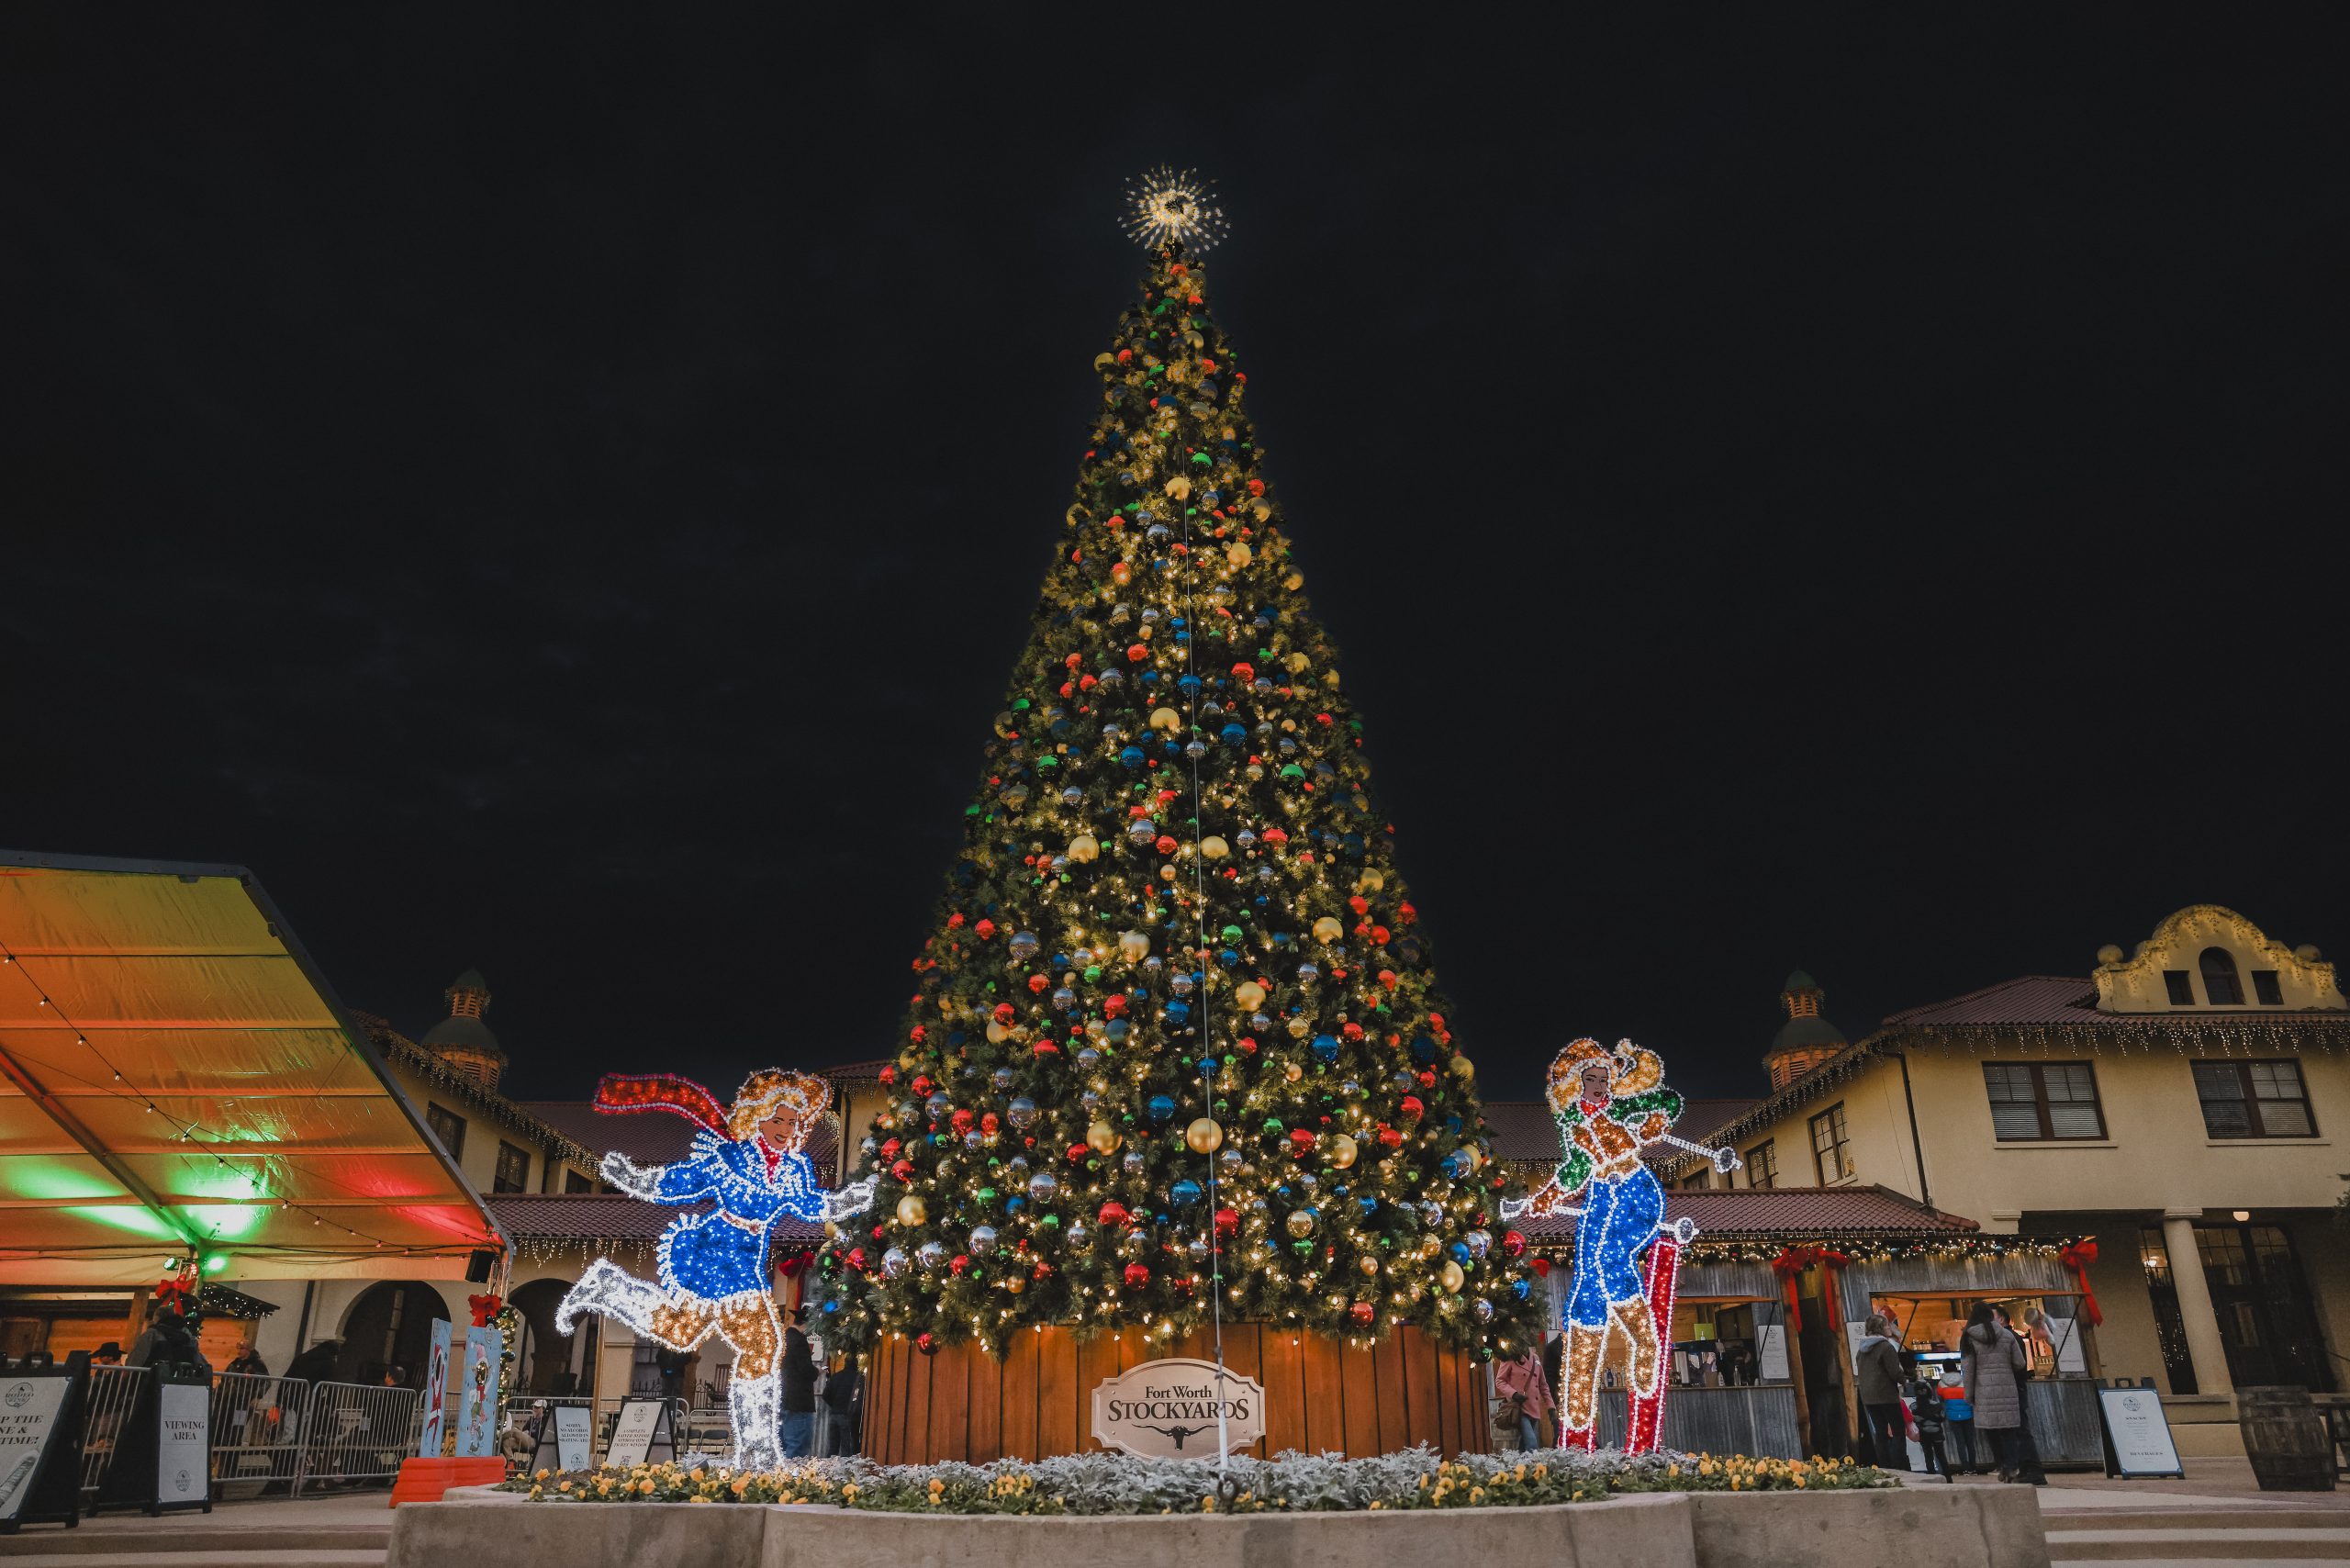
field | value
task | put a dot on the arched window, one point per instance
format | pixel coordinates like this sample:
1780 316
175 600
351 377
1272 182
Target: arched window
2220 986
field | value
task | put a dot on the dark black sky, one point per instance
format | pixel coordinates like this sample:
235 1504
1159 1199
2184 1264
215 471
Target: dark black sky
1855 488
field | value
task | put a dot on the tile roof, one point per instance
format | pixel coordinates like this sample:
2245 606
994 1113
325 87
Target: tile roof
610 1216
2048 1001
1807 1214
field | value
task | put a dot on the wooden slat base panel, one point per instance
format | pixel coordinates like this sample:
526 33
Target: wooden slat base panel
1320 1396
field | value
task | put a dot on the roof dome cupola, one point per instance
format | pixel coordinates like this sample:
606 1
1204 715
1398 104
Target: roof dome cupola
1807 1038
462 1039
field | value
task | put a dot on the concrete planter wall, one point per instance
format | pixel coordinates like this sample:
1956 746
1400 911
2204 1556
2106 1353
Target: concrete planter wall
1948 1526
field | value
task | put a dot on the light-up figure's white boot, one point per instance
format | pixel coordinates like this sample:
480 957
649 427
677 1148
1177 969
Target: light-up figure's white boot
755 1404
604 1283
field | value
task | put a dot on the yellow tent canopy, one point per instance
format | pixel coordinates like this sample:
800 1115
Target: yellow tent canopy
177 1079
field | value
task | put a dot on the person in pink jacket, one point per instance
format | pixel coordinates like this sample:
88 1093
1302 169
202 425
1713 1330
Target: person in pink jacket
1521 1385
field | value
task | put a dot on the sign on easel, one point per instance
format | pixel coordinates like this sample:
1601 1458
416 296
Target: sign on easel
430 1440
2137 1434
566 1439
40 1443
164 1457
645 1425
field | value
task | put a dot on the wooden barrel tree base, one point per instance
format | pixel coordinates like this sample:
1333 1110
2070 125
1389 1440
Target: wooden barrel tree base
1321 1394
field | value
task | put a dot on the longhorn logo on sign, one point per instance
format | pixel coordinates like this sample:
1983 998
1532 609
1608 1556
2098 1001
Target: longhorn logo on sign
1170 1409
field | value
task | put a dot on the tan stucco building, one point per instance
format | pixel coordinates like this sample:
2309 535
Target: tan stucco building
2179 1106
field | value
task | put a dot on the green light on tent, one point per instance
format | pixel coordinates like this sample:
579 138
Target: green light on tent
124 1216
53 1181
215 1262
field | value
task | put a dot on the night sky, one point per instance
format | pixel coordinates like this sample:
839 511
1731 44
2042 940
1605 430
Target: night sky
1855 488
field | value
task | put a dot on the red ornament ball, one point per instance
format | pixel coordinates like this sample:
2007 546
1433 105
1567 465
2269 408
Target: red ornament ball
958 1264
986 928
1137 1276
926 1343
1114 1212
1228 1221
1363 1313
1411 1109
1513 1244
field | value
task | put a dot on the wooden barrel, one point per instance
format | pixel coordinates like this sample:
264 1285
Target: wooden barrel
1320 1395
2285 1440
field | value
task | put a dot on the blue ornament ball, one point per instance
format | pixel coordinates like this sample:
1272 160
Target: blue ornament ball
1184 1193
1325 1046
1162 1108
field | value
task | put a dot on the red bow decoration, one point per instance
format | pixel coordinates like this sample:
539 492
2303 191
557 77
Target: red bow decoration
2077 1257
1789 1266
485 1308
177 1291
791 1266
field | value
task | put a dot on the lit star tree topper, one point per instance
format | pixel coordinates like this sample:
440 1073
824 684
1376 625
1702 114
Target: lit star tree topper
1176 1052
1174 206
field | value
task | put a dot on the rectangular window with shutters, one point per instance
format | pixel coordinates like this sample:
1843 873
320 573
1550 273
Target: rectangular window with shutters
1831 1147
448 1127
513 1173
1763 1165
2181 989
2254 1099
2043 1101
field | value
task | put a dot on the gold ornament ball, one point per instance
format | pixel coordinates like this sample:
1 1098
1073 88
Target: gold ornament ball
1370 1265
1463 1069
1165 719
1134 946
1100 1138
911 1210
1238 556
1204 1136
1342 1150
1016 1285
1248 994
997 1032
1451 1277
1370 882
1084 847
1292 1071
1215 848
1327 929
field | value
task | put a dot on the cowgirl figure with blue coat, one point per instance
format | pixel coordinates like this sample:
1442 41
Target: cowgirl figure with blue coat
1609 1107
714 1271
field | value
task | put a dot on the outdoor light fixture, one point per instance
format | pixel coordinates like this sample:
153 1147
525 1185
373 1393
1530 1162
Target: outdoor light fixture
2242 1215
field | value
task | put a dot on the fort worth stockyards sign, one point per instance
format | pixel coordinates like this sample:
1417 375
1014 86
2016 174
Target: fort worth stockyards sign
1169 1409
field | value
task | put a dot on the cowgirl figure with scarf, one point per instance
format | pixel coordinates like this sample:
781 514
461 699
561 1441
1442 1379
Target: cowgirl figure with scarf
714 1274
1610 1105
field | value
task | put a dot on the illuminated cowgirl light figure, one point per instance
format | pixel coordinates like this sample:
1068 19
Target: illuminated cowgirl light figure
714 1272
1610 1105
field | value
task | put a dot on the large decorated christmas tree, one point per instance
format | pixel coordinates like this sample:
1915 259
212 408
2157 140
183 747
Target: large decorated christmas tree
1176 1047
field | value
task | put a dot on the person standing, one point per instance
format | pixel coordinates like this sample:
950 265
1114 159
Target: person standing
1959 1417
1521 1387
1992 1361
799 1388
247 1363
842 1403
1877 1378
1926 1415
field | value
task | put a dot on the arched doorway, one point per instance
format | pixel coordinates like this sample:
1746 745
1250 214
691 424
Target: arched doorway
389 1329
546 1363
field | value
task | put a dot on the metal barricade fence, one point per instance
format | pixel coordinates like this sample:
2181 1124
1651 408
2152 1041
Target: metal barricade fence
256 1427
518 1411
356 1433
114 1394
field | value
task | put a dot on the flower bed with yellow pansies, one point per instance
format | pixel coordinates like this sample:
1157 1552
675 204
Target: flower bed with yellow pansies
1294 1483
